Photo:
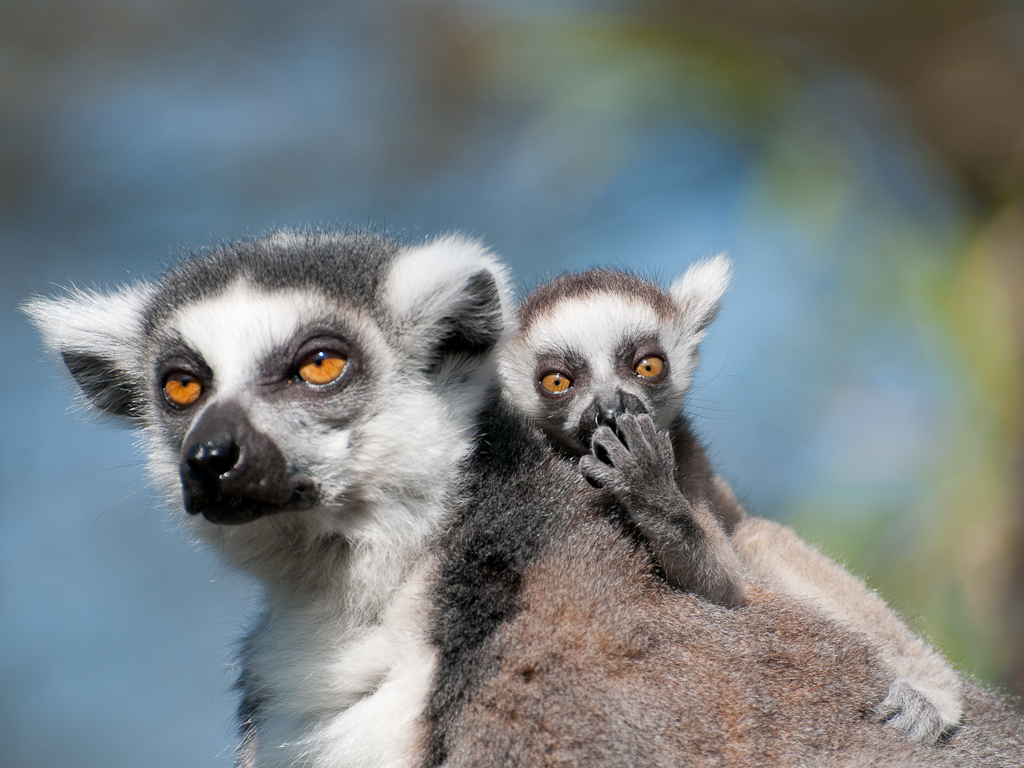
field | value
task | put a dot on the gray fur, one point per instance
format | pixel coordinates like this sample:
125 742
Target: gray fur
558 647
635 462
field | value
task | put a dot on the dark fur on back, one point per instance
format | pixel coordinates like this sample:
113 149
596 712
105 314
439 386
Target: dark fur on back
559 647
484 554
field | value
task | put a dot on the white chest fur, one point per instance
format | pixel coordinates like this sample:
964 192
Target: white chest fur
340 694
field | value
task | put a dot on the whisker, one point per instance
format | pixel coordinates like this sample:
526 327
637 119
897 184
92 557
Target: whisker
119 487
106 470
123 498
707 409
149 506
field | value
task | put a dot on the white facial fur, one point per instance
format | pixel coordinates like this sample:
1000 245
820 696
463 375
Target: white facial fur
233 333
593 329
236 329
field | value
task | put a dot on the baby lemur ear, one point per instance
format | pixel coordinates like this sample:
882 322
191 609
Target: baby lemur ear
452 300
98 336
698 293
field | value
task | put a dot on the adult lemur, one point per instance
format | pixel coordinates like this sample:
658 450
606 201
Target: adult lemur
305 399
440 586
602 361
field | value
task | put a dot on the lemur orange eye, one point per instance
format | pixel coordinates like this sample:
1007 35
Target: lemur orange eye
556 383
649 367
182 388
322 367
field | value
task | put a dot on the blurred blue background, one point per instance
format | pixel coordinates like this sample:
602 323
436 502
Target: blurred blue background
862 162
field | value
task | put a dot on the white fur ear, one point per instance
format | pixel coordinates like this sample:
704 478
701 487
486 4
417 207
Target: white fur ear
98 336
450 297
699 291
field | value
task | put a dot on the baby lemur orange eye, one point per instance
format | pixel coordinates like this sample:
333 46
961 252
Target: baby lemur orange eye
556 383
322 367
650 367
182 388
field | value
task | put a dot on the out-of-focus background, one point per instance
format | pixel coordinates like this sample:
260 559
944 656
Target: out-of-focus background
861 160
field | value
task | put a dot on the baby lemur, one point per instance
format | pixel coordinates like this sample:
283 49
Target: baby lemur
601 361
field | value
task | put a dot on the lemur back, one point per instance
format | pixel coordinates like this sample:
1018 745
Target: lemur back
557 646
601 361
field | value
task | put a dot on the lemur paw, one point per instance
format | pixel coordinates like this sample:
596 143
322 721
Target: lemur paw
634 460
913 714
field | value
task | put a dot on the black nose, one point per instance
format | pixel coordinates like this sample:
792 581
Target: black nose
207 462
629 403
604 416
605 412
232 473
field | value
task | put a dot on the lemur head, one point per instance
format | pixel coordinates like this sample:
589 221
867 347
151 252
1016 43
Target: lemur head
289 387
593 345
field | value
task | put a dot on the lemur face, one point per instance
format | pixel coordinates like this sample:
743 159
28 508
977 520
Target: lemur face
285 386
258 396
598 344
589 359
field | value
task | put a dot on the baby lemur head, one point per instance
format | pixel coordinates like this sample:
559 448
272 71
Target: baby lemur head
594 345
295 390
